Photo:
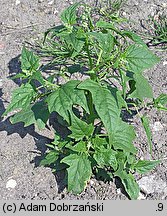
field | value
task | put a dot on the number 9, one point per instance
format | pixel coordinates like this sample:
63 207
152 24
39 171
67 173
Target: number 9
160 206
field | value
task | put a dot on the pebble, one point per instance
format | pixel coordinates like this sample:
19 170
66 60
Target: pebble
11 183
164 5
164 63
141 196
51 2
17 2
1 84
118 191
150 184
55 12
157 126
91 182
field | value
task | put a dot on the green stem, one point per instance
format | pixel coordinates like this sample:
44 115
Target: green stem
91 116
89 56
99 58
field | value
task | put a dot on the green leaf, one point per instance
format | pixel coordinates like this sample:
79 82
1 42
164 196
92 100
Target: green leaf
80 147
37 114
62 99
98 143
21 98
50 158
79 128
55 31
134 37
138 58
122 137
41 114
26 115
106 41
130 185
68 16
38 76
160 102
144 166
120 134
76 39
29 61
105 103
79 172
145 123
140 87
107 25
127 179
106 157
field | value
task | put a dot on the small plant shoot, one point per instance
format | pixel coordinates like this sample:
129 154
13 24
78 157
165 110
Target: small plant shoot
94 72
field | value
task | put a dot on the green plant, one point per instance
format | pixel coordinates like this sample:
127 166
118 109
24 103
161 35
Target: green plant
112 62
158 30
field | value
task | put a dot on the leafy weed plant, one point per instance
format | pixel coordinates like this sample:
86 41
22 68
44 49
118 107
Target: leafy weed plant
111 62
157 30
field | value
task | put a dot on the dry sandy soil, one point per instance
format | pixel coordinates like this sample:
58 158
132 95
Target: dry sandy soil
20 148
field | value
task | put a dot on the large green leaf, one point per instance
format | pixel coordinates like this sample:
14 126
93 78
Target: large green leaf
138 58
140 87
26 115
68 16
79 128
62 99
105 103
106 157
107 25
120 134
106 41
21 98
130 184
122 137
29 61
37 114
79 172
144 166
128 181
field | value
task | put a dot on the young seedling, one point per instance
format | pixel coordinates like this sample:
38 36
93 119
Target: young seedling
110 62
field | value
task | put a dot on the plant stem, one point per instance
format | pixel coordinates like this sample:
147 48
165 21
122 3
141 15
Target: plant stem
99 58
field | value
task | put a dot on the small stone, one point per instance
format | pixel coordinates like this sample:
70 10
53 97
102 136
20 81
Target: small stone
51 2
118 191
157 126
1 84
11 183
55 12
164 5
141 196
164 63
150 184
91 182
124 13
40 1
17 2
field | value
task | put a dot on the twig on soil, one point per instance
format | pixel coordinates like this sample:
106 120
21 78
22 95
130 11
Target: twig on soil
20 29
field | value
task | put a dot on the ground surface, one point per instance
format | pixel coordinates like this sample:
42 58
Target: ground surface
20 147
